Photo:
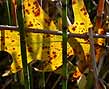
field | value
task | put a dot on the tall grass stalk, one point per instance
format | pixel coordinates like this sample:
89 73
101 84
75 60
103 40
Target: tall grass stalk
26 67
64 44
8 11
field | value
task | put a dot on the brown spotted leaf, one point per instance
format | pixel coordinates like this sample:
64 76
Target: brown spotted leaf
44 47
80 26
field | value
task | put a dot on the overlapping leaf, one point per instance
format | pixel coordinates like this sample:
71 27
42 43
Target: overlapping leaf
81 22
46 47
81 25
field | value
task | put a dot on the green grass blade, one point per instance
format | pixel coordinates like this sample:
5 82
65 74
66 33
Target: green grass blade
8 4
20 18
64 44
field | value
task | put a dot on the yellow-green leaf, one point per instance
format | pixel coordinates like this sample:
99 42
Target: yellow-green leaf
81 25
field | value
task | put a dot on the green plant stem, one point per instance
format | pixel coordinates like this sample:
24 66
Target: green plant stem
41 80
64 44
20 17
54 85
8 11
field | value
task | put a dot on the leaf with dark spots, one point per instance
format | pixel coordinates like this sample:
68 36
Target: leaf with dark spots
82 23
85 13
47 21
30 24
37 12
30 49
29 4
27 11
73 2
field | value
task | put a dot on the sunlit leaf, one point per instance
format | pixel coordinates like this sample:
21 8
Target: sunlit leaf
81 25
44 47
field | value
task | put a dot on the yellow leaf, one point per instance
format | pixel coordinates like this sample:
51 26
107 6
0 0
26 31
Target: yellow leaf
47 48
44 47
81 25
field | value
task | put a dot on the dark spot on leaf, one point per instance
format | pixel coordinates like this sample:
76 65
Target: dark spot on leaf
50 58
11 30
54 52
29 4
37 12
27 11
18 67
83 9
25 21
23 7
56 67
48 35
7 37
30 24
45 47
57 49
81 23
2 39
33 20
36 4
85 13
48 52
6 48
55 56
50 62
51 45
13 48
30 49
3 43
38 23
12 41
48 21
73 1
76 23
18 54
74 28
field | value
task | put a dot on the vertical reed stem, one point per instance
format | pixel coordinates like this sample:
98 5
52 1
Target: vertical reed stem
8 10
93 57
64 44
20 18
